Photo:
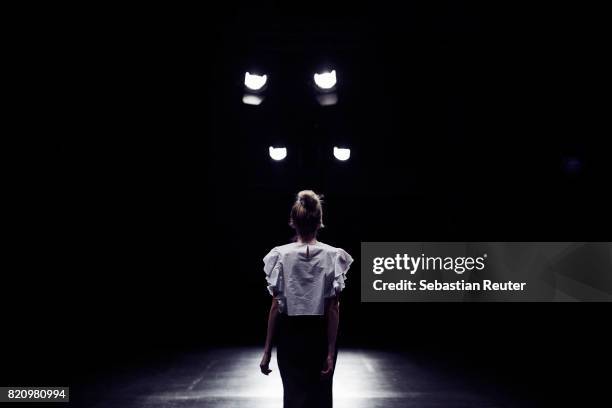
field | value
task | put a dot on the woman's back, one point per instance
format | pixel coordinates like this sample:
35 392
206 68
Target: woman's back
302 275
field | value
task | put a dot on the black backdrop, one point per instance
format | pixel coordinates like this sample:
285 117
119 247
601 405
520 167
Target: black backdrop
144 215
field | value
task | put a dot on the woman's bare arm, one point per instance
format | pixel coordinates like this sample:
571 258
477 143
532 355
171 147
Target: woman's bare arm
272 317
332 314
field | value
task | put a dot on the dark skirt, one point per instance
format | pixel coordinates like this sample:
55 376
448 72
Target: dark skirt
301 352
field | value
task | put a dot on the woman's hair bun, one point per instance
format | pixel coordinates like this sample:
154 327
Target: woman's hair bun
309 199
307 213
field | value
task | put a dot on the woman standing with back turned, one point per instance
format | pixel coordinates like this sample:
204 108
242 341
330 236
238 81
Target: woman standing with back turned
305 279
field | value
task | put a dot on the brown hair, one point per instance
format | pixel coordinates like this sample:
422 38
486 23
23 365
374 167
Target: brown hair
307 213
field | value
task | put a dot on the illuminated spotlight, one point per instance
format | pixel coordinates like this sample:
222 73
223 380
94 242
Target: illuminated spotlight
255 82
278 153
325 80
342 154
250 99
327 99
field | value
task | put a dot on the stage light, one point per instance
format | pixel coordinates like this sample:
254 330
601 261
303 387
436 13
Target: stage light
254 82
327 99
325 80
278 153
249 99
341 153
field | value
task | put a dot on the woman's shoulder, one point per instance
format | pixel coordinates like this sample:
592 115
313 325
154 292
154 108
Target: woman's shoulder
318 244
285 248
281 251
327 247
294 247
331 251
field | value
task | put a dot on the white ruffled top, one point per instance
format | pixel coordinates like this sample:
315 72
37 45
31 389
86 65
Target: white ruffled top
302 275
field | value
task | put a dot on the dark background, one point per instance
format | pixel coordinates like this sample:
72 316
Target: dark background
143 215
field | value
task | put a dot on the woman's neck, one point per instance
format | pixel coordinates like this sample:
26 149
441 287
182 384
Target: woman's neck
307 240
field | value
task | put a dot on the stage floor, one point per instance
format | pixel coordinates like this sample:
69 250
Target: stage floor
230 378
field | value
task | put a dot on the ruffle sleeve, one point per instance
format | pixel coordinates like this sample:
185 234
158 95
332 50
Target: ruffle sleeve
274 272
342 263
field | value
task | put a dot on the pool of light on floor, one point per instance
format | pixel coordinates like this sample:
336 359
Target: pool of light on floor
358 376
